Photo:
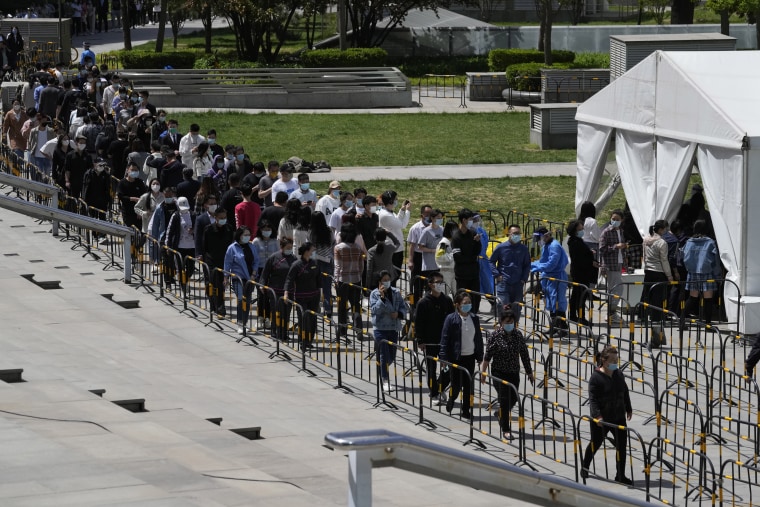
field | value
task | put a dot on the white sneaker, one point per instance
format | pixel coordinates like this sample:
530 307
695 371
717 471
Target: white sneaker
267 323
386 386
240 330
440 400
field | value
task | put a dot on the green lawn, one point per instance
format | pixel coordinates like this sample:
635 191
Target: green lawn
381 139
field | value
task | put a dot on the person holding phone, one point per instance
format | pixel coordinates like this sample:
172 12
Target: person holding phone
304 193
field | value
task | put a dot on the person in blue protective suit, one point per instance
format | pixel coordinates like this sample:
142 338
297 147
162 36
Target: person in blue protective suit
552 264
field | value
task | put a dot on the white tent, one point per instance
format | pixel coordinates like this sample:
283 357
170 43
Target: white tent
666 112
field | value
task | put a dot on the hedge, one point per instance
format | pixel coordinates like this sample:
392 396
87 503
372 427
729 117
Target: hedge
500 59
527 76
456 65
153 60
353 57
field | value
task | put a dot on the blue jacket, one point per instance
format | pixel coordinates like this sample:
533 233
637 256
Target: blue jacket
451 338
553 261
511 261
700 255
381 310
234 261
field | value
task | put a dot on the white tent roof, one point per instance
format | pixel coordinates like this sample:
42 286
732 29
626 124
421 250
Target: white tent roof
704 97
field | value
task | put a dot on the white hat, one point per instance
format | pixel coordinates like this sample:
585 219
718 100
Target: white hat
183 204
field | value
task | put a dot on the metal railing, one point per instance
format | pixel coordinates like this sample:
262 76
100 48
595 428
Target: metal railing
381 448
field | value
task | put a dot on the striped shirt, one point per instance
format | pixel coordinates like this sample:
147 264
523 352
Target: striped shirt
349 263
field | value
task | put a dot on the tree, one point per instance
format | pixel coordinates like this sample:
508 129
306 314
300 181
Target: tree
657 8
725 8
260 26
312 9
365 15
161 26
547 10
682 12
126 24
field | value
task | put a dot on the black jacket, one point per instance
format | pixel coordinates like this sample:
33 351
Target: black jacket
608 396
466 250
451 338
754 355
216 239
429 316
582 268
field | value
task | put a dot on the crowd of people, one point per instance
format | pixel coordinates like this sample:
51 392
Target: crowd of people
91 16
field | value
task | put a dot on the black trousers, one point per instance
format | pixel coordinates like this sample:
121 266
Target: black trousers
507 396
349 295
397 259
655 294
461 382
597 438
436 383
417 284
307 319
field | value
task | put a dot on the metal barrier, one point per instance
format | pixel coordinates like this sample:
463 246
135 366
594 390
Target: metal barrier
43 193
680 420
557 439
570 376
739 483
683 374
690 471
504 393
635 447
441 86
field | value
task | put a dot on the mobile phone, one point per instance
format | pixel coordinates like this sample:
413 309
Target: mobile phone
406 202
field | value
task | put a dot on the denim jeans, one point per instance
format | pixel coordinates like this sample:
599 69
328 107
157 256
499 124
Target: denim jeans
508 294
386 353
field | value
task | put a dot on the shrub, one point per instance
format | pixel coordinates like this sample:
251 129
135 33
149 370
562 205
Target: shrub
500 59
527 76
153 60
589 60
457 65
353 57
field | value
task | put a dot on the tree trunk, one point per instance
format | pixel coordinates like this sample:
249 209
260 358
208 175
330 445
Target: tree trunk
541 32
548 59
682 12
207 26
126 23
724 24
161 26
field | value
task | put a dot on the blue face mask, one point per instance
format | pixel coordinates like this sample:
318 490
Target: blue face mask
516 238
615 223
509 327
349 203
304 186
580 233
211 141
439 222
466 307
240 157
612 366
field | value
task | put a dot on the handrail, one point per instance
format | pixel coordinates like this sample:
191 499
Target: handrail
33 186
383 448
42 212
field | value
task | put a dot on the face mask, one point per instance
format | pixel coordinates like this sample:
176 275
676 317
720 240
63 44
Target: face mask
470 224
304 186
360 210
14 31
515 238
426 220
348 203
134 174
211 141
222 221
288 251
386 283
155 188
148 122
133 100
220 165
266 234
99 169
440 287
395 203
17 108
230 156
173 130
123 97
212 208
509 327
245 238
82 146
336 193
162 119
615 223
612 366
439 222
240 157
169 200
580 233
373 209
139 100
466 307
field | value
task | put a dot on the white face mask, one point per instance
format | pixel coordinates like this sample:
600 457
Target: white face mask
212 208
245 239
373 209
81 146
99 169
440 287
386 283
222 221
155 188
266 234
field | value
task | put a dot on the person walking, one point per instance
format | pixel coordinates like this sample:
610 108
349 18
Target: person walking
610 402
429 316
462 344
506 348
388 309
510 265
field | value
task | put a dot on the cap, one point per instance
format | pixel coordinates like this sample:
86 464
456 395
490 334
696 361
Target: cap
541 231
334 184
86 44
183 204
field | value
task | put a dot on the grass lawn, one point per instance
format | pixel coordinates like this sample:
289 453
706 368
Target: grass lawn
380 139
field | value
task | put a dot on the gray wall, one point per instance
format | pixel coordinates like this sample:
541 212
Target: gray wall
479 41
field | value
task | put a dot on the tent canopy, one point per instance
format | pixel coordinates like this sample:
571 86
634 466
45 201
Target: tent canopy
671 110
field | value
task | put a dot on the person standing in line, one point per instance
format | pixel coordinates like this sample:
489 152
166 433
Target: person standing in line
429 316
242 260
657 272
248 213
506 348
610 402
612 246
349 265
394 223
550 266
388 309
444 257
583 270
510 266
702 261
267 245
274 275
331 200
466 247
302 285
414 254
266 182
462 344
217 237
